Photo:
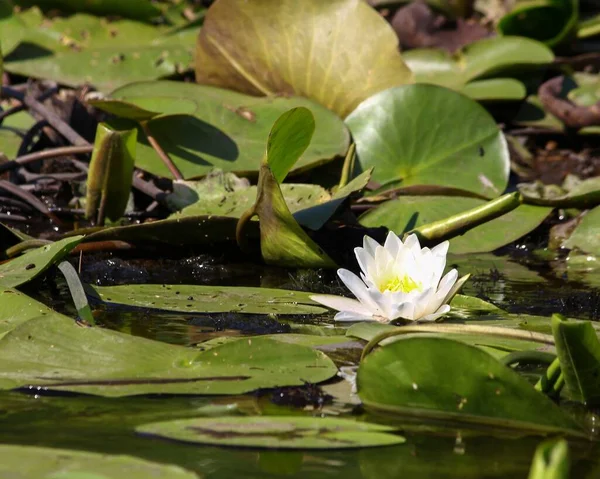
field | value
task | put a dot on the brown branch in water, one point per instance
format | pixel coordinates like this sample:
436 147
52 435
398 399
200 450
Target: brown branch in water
164 156
16 109
45 155
572 115
29 198
100 246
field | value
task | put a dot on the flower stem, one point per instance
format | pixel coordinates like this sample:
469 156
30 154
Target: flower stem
462 222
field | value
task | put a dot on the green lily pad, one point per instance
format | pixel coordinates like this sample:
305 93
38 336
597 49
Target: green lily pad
437 377
280 432
12 131
24 268
483 58
310 340
29 462
109 54
428 135
550 21
225 129
578 351
54 353
408 212
586 236
495 89
215 195
581 194
210 299
11 26
137 10
269 48
12 300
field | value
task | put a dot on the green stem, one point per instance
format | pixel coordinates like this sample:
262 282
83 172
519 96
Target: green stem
462 222
24 246
552 381
460 329
348 167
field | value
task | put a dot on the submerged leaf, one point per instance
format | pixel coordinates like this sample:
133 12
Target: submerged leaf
264 48
281 432
41 462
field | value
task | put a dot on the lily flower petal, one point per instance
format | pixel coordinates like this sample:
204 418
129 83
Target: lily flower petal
341 303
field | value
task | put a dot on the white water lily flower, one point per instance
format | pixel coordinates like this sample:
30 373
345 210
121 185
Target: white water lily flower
399 280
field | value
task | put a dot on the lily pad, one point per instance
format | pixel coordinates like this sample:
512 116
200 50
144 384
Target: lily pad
408 212
428 135
137 10
29 462
112 53
483 58
279 432
225 129
495 89
210 299
54 353
266 48
586 235
24 268
437 377
12 301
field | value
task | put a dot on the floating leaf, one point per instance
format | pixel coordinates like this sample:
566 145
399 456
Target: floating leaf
578 350
265 48
586 235
483 58
281 432
24 268
111 170
13 301
428 135
550 21
441 378
210 299
56 354
408 212
137 10
109 53
214 128
31 462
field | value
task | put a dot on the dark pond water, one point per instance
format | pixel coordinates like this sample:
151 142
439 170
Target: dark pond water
527 284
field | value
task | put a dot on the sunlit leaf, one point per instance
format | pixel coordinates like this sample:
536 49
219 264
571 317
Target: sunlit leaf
428 135
265 48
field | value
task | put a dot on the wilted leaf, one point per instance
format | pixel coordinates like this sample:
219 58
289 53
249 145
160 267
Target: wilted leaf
265 48
428 135
281 432
583 194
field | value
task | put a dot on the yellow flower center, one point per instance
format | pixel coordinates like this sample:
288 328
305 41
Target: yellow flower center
400 283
